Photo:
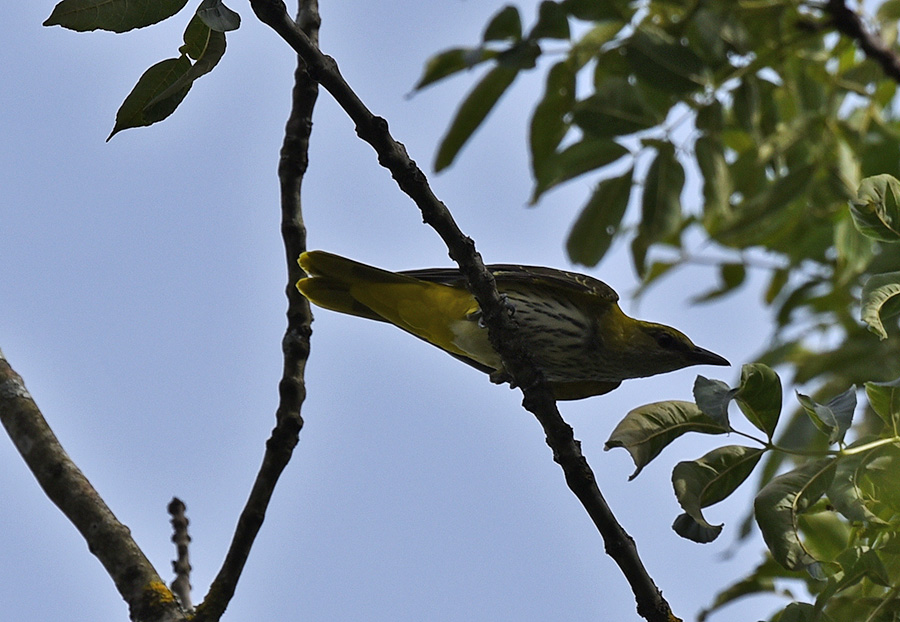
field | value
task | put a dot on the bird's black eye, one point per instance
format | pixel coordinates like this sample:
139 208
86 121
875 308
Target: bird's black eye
666 341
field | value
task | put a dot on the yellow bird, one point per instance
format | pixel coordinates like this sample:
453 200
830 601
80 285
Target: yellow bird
572 325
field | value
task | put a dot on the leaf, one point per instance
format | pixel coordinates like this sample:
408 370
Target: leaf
218 16
875 211
781 501
845 493
717 186
210 44
586 155
647 430
731 276
759 396
834 418
592 41
135 111
661 199
473 110
112 15
884 398
664 63
598 222
506 24
450 62
879 301
712 397
593 11
701 483
615 109
549 124
553 23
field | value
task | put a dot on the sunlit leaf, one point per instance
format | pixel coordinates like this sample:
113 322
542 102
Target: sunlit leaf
473 110
880 301
884 398
845 492
599 220
834 418
647 430
701 483
876 211
113 15
780 502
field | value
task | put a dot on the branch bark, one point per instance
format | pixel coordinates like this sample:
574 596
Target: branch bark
849 23
538 398
109 540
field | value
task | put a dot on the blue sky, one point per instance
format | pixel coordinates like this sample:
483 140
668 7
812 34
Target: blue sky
142 301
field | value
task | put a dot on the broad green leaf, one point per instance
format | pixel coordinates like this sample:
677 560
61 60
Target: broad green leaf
136 110
473 110
717 186
875 211
217 16
553 23
701 483
113 15
880 301
834 418
664 63
760 580
781 501
776 284
450 62
549 124
845 492
759 397
881 474
884 398
210 43
661 199
615 109
591 42
586 155
799 612
712 397
506 24
593 11
854 250
596 226
647 430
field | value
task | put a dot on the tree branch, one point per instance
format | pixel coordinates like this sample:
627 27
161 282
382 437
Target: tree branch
181 586
295 344
501 326
109 540
849 23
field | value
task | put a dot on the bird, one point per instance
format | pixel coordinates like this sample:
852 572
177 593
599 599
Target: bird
571 324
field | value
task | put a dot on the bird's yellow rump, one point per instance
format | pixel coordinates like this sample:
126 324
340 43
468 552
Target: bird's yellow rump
572 325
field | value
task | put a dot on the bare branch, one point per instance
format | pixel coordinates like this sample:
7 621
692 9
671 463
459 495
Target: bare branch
181 586
295 344
501 327
109 540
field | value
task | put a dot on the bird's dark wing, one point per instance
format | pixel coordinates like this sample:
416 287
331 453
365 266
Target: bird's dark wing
510 274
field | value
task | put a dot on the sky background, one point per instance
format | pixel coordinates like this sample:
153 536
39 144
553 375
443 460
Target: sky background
141 299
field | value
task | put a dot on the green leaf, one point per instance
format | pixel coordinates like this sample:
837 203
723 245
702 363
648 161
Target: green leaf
712 397
218 16
854 250
845 492
113 15
136 110
717 186
664 63
759 397
884 398
833 418
578 158
450 62
210 44
701 483
549 124
615 109
779 504
875 211
591 42
596 226
505 25
731 276
880 302
647 430
593 11
553 23
661 199
473 110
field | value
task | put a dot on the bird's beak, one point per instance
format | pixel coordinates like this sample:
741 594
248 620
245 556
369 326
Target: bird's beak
701 356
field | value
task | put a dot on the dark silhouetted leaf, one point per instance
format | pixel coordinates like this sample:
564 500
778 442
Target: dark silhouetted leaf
553 23
135 110
450 62
599 220
505 25
218 16
113 15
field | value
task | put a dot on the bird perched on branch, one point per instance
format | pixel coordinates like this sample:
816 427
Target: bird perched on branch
570 323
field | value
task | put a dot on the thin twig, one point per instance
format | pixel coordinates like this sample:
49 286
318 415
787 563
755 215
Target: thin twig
295 344
181 586
501 327
848 22
109 540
